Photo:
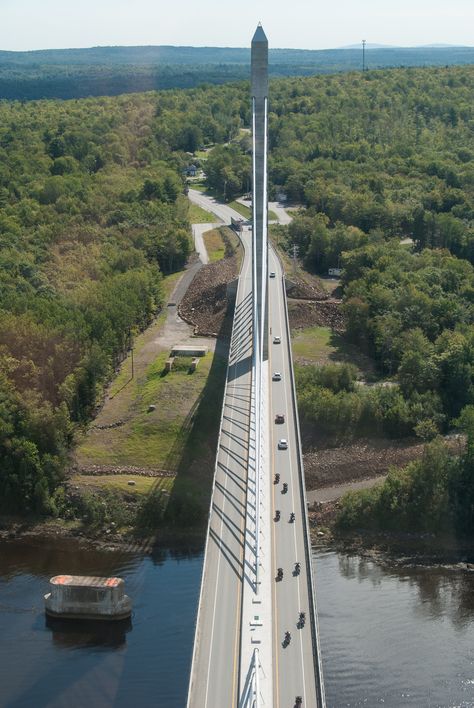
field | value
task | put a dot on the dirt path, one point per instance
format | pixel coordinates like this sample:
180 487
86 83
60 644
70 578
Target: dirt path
327 494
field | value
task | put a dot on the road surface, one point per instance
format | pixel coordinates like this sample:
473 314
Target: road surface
214 674
215 671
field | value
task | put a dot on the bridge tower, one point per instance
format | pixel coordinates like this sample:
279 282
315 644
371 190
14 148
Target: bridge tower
259 93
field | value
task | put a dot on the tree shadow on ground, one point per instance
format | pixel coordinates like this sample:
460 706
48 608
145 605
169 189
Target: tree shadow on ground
344 352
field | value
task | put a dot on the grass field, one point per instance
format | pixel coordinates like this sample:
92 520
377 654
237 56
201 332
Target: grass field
119 482
196 215
146 438
241 208
215 245
320 345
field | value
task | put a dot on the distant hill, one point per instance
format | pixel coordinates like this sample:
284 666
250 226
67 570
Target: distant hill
75 73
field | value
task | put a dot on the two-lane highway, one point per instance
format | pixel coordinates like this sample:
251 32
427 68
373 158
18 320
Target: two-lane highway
294 672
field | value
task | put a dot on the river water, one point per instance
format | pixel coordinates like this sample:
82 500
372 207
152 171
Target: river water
390 636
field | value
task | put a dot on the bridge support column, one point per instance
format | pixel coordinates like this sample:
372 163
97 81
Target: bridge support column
256 630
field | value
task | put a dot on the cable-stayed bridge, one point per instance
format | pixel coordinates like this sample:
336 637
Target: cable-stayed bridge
257 641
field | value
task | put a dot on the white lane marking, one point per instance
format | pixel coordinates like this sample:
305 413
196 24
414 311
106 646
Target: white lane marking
211 643
285 352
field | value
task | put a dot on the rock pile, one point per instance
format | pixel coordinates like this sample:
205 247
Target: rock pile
328 313
205 303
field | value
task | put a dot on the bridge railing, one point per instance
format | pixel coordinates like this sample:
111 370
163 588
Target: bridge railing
204 565
306 534
251 692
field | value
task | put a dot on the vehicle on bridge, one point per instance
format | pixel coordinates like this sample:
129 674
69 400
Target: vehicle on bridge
279 418
272 274
277 477
284 488
276 376
279 574
282 444
277 515
276 340
292 517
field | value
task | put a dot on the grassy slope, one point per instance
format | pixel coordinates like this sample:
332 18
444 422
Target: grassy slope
147 439
320 345
215 245
196 215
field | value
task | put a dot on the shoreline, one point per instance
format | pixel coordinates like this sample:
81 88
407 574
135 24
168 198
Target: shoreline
396 549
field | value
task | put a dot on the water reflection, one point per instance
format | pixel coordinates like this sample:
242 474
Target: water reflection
401 636
73 634
54 663
442 591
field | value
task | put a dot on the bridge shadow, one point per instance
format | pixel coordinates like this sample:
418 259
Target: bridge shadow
194 462
235 562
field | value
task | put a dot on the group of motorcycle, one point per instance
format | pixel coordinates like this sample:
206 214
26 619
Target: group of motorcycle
284 490
301 623
302 615
296 571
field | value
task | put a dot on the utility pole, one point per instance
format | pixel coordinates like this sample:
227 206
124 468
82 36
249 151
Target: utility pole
295 251
130 341
363 55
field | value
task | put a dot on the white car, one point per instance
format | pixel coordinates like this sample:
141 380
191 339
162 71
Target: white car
276 340
276 376
282 444
272 274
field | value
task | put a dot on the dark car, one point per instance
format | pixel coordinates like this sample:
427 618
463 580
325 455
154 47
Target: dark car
279 418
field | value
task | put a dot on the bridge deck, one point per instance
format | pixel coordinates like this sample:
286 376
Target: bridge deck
295 668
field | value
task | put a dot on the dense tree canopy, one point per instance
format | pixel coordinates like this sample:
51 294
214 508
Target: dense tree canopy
91 214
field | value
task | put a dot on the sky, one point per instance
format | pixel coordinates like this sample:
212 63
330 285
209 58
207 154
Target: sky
300 24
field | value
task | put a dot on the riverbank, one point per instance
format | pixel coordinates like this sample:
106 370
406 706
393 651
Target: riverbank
109 538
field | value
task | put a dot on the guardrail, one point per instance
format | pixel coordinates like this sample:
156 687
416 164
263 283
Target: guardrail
306 534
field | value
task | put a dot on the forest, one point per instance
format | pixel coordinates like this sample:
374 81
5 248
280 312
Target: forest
98 71
93 212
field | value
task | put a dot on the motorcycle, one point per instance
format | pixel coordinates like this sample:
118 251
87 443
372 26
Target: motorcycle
302 619
292 517
279 573
285 488
277 515
297 568
287 638
298 701
277 478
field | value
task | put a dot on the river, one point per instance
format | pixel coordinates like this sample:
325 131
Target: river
389 636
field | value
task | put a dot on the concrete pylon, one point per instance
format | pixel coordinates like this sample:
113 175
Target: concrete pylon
259 93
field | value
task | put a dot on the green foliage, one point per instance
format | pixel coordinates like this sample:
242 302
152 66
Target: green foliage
76 73
91 214
387 151
414 313
329 399
228 171
434 494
